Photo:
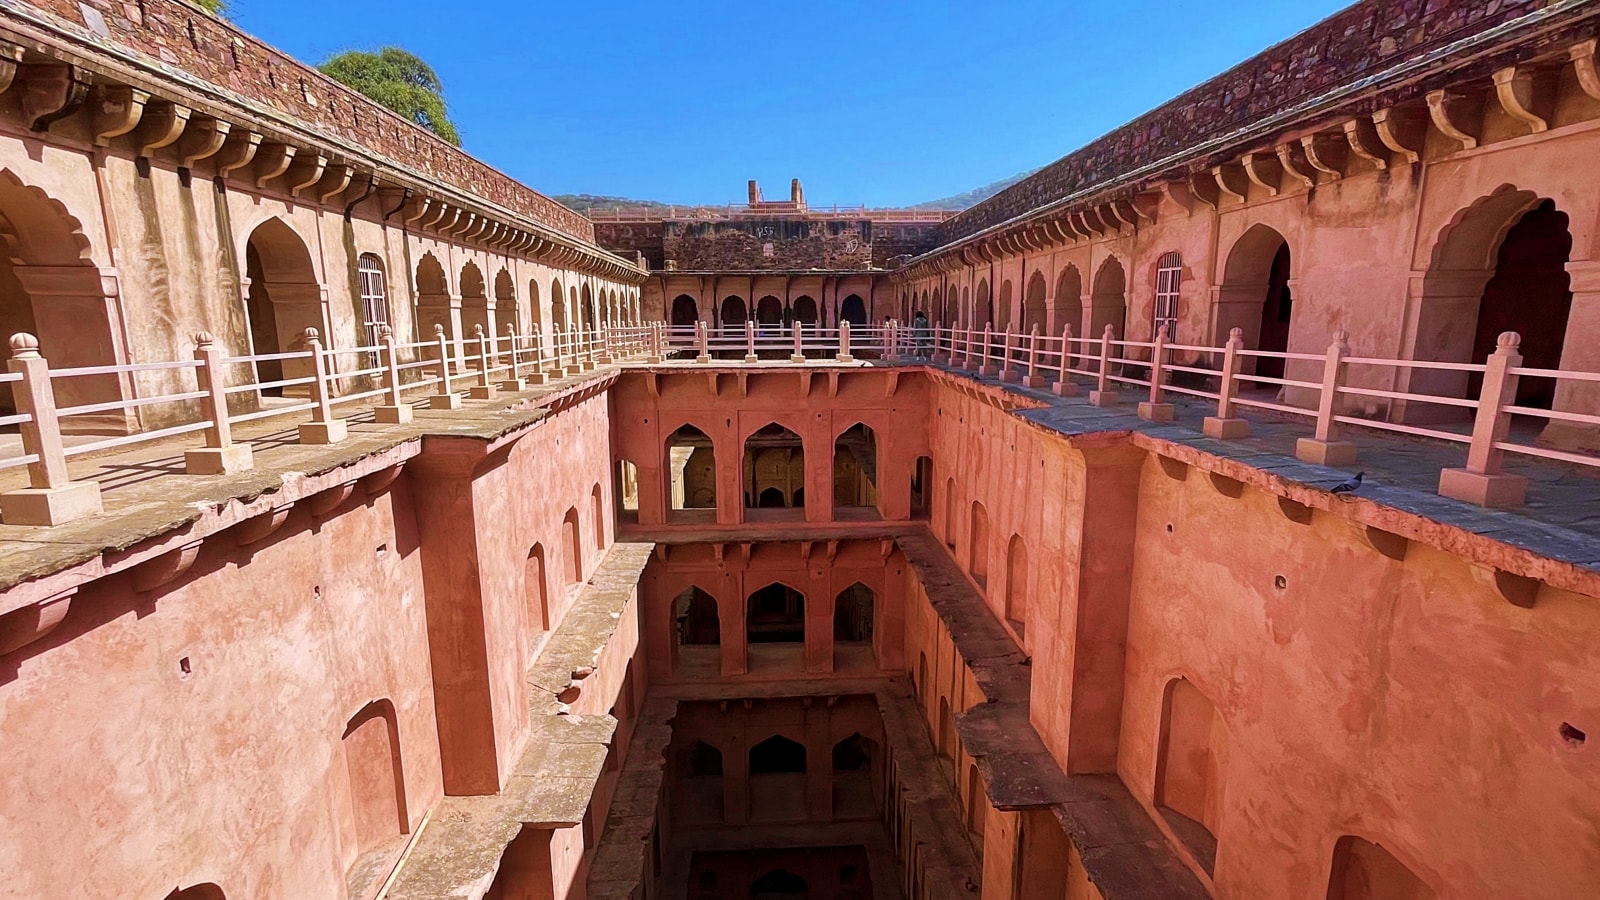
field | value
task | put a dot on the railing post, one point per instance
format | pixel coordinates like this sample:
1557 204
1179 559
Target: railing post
52 497
945 355
1033 379
445 398
1225 425
1325 448
1157 409
1008 368
1481 480
656 350
844 343
606 355
891 341
704 340
574 364
1103 393
483 390
1064 386
799 354
396 411
220 455
750 342
590 350
514 381
538 375
324 429
985 365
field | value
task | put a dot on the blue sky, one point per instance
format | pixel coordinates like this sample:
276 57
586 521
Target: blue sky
883 103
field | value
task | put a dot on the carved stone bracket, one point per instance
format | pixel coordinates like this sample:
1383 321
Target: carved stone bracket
1402 130
237 153
152 574
201 140
1582 56
51 92
1265 170
1515 88
273 160
1364 142
1326 153
164 122
117 111
24 626
1456 116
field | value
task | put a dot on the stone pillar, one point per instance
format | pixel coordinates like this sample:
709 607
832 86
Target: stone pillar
1447 306
735 779
475 658
819 763
1098 591
730 474
1579 352
731 609
819 470
819 621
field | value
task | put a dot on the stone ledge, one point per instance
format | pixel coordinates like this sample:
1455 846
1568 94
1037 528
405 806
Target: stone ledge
553 782
1123 850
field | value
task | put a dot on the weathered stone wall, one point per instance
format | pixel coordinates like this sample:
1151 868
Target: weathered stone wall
627 238
170 34
756 244
1341 50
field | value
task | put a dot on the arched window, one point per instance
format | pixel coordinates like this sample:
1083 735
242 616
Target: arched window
374 296
1190 769
1169 272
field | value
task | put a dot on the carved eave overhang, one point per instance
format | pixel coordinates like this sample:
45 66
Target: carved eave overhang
132 101
1376 122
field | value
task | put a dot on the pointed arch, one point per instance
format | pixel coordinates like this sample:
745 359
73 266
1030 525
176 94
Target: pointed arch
775 614
1108 301
983 307
774 468
1016 598
1033 304
1067 308
505 304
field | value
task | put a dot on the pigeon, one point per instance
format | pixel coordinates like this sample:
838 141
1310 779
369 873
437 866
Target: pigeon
1349 485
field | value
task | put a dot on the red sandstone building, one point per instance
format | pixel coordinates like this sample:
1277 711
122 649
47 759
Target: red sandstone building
372 526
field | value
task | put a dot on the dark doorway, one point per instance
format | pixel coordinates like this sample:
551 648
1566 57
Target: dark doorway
1276 309
1530 293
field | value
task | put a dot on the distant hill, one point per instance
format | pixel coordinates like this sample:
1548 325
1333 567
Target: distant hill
586 203
600 203
974 196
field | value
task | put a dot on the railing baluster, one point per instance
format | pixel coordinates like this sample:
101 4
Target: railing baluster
986 366
1481 480
844 343
1225 425
52 497
799 353
1033 379
396 411
1157 409
750 342
704 340
514 381
220 455
483 390
1104 394
445 398
324 429
1325 448
1064 386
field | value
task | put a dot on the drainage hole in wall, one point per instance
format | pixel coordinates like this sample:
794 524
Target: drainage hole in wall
186 669
1169 528
1280 582
1572 736
382 551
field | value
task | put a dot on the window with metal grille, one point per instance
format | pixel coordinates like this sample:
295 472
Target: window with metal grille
374 302
1169 271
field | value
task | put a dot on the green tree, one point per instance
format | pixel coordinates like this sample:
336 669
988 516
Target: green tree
215 7
400 81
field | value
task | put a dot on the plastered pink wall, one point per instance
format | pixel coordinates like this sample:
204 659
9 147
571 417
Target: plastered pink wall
127 776
1401 701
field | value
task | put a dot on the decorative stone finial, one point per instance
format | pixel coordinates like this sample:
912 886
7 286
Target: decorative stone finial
385 333
438 329
1509 341
477 331
24 346
204 339
311 336
1236 334
1110 332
